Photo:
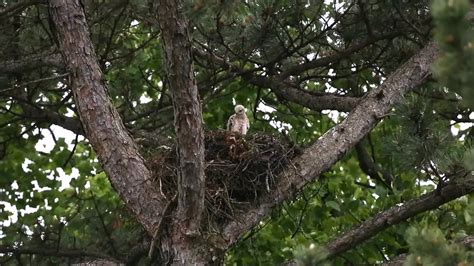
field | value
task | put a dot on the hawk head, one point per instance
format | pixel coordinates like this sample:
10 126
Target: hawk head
239 109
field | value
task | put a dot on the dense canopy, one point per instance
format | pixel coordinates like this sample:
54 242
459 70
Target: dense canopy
113 144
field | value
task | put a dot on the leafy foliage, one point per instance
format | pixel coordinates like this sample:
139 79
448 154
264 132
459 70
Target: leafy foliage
429 247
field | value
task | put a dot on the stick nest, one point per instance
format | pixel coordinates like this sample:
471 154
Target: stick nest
239 169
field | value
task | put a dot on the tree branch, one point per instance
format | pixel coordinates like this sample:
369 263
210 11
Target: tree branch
339 140
116 150
45 115
285 89
397 214
187 111
324 61
368 166
31 62
314 101
71 253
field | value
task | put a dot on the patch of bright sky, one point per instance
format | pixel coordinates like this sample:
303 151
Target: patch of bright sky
278 125
46 145
311 56
456 128
265 108
13 218
145 98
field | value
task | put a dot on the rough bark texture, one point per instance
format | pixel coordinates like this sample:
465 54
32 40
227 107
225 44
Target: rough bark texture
316 102
187 110
103 126
335 143
189 133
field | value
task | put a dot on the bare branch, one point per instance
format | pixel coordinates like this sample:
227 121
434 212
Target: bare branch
31 62
368 166
45 115
287 90
69 253
324 61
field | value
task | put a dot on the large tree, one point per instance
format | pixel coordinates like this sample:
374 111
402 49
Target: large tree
369 102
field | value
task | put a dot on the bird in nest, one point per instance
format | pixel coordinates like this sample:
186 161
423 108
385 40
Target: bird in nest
238 122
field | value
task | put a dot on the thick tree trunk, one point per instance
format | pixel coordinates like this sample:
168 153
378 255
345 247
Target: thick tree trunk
187 111
187 245
102 124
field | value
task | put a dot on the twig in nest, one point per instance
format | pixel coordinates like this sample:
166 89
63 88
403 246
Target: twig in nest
159 227
161 189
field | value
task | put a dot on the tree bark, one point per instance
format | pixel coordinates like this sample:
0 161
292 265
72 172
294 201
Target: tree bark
102 124
186 245
187 110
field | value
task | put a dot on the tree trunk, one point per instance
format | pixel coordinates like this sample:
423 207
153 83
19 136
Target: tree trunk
102 124
187 247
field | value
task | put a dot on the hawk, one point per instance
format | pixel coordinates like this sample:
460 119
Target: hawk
238 122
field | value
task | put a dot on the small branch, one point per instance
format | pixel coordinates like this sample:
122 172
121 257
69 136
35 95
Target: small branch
69 253
45 115
369 167
68 159
31 62
324 61
34 81
285 89
314 101
104 226
16 8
